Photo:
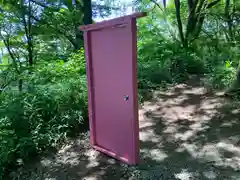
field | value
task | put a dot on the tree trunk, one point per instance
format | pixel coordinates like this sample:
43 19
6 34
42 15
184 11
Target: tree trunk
196 15
179 21
87 10
238 73
192 20
20 85
30 37
79 38
229 20
87 19
28 30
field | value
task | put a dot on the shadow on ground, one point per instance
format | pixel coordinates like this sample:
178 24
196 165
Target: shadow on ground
186 132
191 133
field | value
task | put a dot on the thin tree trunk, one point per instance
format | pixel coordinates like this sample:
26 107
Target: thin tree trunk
79 38
28 31
10 52
87 19
198 27
191 23
20 85
238 73
179 21
228 18
30 38
87 10
78 33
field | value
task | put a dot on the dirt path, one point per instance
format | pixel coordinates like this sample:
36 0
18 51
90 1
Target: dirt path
186 133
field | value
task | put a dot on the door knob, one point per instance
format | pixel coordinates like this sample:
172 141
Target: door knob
126 98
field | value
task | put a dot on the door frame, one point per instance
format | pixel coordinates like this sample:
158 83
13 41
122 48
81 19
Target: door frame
129 20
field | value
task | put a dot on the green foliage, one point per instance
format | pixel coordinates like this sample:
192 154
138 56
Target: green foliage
58 70
54 107
222 77
161 59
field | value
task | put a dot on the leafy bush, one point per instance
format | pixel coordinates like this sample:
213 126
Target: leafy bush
52 107
162 61
162 57
221 77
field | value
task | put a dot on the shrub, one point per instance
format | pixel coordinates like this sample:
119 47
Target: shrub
221 77
52 107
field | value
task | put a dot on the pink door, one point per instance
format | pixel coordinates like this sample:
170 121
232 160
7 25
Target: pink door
112 82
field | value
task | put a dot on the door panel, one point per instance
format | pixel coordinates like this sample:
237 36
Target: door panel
113 89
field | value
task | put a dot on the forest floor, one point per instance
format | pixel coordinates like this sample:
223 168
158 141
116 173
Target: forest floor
187 132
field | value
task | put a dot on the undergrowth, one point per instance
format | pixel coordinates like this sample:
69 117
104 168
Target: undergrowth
52 107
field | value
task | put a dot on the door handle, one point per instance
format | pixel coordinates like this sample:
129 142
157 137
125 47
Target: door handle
126 98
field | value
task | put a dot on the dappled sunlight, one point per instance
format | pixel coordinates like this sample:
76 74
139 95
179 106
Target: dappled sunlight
196 133
76 160
157 154
187 132
92 157
220 154
184 175
149 134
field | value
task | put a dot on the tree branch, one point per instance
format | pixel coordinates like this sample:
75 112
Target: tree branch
69 38
200 6
212 4
7 45
156 4
3 86
44 5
